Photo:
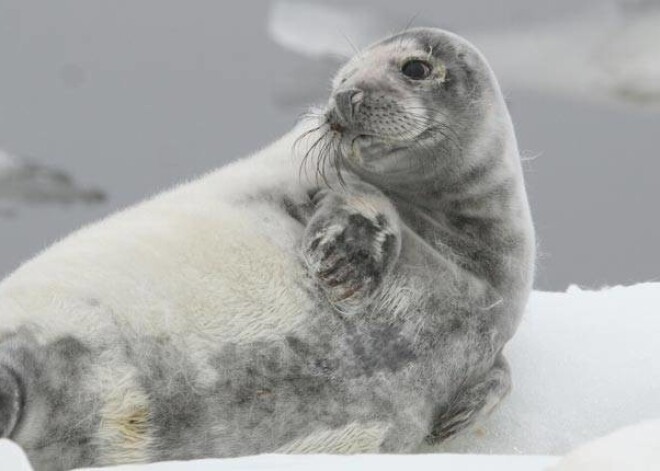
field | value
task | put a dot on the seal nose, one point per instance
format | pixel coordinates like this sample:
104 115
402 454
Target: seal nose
348 101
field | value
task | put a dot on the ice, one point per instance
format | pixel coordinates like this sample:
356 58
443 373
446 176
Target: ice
606 53
323 36
323 29
23 181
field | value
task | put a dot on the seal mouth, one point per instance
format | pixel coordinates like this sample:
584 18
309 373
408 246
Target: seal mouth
370 150
381 144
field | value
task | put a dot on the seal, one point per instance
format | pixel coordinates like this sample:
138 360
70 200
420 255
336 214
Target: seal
350 288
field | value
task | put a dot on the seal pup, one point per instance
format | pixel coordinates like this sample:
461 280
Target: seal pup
351 297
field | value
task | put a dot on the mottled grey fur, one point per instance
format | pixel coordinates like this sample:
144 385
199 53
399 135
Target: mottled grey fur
419 258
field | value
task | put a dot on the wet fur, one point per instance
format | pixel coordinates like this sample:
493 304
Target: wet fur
328 299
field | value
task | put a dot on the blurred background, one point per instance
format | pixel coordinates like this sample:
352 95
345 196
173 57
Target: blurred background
103 103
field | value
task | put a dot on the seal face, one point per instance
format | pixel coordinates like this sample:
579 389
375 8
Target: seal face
403 100
361 306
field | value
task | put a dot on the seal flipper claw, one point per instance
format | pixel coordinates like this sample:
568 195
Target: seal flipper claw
11 401
349 251
473 403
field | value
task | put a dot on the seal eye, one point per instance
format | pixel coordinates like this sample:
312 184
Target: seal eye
416 69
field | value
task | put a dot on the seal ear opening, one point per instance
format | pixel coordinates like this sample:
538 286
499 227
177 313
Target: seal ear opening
11 401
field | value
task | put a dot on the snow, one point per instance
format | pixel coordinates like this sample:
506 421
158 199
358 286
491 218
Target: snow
356 463
635 448
584 365
12 457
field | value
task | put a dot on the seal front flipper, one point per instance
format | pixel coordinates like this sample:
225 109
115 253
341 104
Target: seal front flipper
11 401
472 404
351 243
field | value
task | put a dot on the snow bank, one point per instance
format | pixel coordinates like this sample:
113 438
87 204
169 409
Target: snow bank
585 363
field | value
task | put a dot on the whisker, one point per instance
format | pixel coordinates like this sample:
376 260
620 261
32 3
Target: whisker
311 150
406 28
319 158
296 148
321 163
348 40
338 160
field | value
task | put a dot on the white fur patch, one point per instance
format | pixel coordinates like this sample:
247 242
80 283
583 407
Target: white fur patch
192 265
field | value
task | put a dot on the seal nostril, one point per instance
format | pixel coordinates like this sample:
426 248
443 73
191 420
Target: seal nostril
347 102
356 100
357 97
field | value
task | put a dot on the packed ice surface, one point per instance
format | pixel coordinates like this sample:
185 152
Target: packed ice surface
584 363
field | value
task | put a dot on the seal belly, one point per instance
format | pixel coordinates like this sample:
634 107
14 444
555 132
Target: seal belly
203 272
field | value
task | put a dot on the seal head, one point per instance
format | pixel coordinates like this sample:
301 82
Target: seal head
408 107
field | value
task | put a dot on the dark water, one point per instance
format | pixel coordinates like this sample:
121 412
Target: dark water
132 97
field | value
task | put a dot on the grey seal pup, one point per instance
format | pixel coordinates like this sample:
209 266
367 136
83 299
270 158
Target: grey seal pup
352 296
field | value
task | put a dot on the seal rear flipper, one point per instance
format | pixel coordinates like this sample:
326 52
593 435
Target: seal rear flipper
472 404
11 401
